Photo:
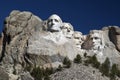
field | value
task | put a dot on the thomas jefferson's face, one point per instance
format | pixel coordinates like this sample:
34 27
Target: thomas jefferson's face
67 30
54 23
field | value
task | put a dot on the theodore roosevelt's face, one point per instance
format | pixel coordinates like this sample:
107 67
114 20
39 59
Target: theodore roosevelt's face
54 23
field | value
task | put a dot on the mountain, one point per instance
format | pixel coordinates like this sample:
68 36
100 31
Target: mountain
28 42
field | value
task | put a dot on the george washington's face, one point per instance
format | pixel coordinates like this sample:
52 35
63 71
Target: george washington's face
54 23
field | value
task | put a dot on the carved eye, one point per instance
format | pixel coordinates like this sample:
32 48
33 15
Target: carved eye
49 20
91 38
96 38
56 20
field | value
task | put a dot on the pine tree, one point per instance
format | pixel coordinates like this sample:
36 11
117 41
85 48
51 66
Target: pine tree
118 73
85 55
59 68
37 73
95 62
67 62
78 59
105 67
113 72
47 77
48 71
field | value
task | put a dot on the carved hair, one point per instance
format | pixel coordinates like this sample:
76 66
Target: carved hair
56 17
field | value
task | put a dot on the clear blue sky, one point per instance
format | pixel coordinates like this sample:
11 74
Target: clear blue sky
84 15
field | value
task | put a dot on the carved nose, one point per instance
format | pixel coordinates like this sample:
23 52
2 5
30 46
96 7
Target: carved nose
68 30
93 42
52 24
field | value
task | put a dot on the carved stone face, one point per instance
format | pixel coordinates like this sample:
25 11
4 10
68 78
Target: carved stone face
78 39
54 23
96 39
77 35
67 30
67 26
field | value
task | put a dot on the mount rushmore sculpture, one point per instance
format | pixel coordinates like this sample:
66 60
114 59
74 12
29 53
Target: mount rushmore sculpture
31 41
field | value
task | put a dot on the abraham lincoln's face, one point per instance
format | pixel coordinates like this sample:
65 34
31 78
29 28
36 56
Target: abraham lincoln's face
96 40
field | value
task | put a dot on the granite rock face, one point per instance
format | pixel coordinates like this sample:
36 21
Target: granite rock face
1 43
101 43
28 41
19 26
51 47
4 75
114 34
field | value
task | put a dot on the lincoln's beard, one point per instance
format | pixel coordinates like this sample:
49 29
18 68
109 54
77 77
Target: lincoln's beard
96 47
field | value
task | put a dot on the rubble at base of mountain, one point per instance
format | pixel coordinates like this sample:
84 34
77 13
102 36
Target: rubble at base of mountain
78 72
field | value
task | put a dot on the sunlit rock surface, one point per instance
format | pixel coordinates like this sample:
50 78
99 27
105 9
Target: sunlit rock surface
29 41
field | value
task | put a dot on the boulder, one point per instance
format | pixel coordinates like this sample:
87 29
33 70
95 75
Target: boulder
114 35
26 76
3 74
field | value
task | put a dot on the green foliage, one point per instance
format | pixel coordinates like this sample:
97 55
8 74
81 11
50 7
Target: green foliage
118 73
49 71
67 62
59 68
93 61
105 67
37 73
78 59
28 68
86 62
46 77
85 55
41 73
113 72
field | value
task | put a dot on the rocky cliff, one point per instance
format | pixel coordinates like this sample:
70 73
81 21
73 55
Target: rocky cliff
28 41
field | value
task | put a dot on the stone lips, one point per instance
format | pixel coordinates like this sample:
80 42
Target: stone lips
29 41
